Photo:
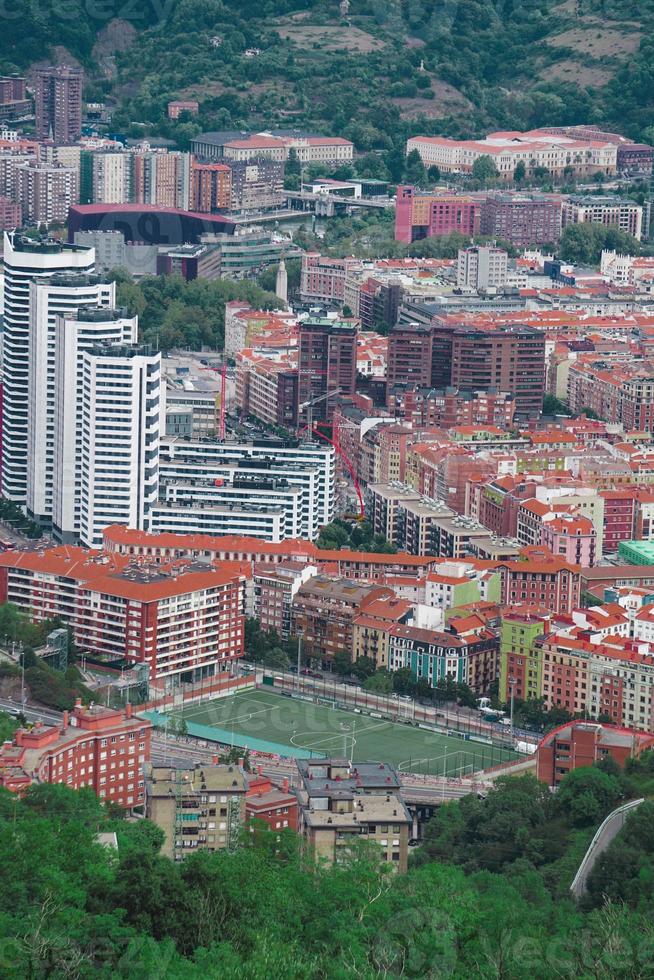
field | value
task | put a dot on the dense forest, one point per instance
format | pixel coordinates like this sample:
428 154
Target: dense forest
445 66
486 896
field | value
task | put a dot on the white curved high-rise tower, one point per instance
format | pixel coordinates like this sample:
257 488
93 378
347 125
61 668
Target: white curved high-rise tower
26 261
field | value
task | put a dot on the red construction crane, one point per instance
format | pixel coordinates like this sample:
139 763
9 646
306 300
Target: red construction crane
223 401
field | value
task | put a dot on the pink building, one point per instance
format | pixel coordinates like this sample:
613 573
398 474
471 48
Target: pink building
572 538
426 215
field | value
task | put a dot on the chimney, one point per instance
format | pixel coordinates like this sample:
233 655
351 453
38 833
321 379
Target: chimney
78 702
128 710
285 785
64 720
241 763
214 760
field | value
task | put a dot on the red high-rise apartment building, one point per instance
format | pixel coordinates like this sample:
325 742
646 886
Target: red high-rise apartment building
509 358
522 220
10 214
12 89
327 362
181 618
211 187
102 748
58 99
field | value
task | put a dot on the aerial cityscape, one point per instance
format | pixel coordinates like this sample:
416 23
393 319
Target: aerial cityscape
327 490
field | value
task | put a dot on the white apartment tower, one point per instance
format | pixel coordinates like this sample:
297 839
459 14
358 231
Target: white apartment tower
121 413
481 267
60 295
75 334
26 261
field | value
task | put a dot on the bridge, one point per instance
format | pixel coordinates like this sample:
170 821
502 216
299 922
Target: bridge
326 205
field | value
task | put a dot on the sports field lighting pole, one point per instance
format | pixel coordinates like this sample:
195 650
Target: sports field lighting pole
299 660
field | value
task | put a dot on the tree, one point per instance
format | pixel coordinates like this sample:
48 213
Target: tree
381 682
554 406
587 795
363 668
484 169
433 174
582 244
293 166
342 663
414 170
519 171
404 681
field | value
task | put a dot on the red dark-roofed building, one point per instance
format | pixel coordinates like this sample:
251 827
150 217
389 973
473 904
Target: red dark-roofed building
581 743
102 748
619 517
147 223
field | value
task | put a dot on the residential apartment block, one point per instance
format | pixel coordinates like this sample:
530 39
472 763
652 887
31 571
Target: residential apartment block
342 803
182 618
102 748
198 808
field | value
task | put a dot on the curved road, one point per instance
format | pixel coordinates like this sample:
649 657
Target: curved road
607 830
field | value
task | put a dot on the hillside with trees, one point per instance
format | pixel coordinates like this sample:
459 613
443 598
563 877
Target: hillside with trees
389 69
486 896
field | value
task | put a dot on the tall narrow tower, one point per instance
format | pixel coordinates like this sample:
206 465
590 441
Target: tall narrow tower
281 285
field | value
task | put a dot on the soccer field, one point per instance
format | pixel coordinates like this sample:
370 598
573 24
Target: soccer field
330 731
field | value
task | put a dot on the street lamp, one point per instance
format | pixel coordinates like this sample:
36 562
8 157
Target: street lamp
512 683
299 660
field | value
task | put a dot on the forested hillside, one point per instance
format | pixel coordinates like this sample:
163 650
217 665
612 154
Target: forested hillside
487 896
392 67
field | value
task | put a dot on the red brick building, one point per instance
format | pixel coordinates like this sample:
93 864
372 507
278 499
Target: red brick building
102 748
10 214
521 219
509 358
324 610
275 805
178 106
581 743
620 508
539 578
446 407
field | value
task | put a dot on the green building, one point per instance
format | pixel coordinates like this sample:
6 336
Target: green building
636 552
520 657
